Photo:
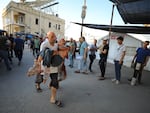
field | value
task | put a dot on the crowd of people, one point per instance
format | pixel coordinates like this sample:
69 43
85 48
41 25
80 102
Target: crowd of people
140 60
11 47
50 55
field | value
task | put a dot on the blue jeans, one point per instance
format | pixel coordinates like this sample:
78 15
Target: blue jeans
71 59
82 65
19 54
118 70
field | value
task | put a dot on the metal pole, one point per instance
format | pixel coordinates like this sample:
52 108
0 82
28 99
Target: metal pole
110 28
82 27
83 14
111 22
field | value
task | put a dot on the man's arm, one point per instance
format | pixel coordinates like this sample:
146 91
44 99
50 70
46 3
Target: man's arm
104 51
146 60
85 52
122 57
134 57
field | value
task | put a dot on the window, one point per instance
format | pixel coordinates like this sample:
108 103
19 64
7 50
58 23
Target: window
21 19
49 25
36 21
58 27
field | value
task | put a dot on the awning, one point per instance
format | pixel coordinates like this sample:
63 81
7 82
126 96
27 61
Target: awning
38 3
2 30
119 29
134 11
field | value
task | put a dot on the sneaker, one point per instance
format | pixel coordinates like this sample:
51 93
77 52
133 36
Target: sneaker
19 63
71 66
91 70
117 82
77 71
113 80
133 81
84 72
129 79
101 78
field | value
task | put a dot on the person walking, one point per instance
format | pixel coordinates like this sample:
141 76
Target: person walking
118 60
140 60
36 46
103 58
53 71
92 55
11 49
82 65
18 48
4 45
75 44
71 53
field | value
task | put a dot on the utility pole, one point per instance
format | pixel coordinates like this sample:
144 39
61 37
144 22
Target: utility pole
112 14
83 14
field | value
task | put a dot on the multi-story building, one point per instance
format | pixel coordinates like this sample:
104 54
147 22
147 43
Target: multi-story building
24 18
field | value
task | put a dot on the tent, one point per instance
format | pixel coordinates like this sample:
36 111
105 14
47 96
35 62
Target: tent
134 11
120 29
131 11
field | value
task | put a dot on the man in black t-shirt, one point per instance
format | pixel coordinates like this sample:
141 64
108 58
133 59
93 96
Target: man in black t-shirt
4 44
103 58
11 38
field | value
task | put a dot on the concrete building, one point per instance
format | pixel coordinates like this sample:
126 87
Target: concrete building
23 17
132 42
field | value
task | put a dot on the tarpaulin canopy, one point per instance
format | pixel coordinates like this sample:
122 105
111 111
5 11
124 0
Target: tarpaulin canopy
120 29
134 11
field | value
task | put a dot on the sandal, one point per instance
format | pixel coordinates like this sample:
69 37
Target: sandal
39 90
58 103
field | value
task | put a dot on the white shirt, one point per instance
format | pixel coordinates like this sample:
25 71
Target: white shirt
119 51
44 45
92 52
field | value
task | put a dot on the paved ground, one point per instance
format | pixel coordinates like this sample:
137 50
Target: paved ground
80 93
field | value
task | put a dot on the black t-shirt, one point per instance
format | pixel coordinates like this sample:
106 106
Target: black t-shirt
3 43
104 56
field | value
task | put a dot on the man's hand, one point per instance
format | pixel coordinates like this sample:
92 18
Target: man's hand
44 81
55 52
120 62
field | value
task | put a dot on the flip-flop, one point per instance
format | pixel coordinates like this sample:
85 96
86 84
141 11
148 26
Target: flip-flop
39 90
58 103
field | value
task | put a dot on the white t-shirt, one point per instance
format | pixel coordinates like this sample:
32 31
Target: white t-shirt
92 52
44 45
119 51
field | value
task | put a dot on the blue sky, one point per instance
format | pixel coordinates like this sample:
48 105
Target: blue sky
98 12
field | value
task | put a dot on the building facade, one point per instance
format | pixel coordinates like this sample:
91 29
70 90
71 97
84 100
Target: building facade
20 17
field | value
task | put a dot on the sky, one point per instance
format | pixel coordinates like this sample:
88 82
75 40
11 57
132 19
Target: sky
98 12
